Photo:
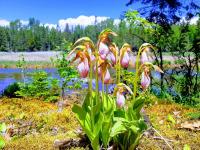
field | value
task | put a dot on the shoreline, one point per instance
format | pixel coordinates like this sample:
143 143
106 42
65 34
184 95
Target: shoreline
43 59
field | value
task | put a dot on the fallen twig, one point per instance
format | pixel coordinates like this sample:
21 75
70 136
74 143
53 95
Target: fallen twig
163 138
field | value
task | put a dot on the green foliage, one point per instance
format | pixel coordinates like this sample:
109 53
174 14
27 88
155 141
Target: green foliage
2 131
41 86
95 118
68 74
2 142
129 125
11 89
171 119
194 115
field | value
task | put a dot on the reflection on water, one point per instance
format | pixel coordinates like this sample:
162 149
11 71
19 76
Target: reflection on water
11 75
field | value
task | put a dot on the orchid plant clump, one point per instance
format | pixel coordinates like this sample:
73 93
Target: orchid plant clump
107 118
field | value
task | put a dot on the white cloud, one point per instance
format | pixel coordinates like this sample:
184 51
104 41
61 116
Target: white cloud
50 25
194 20
117 21
81 20
4 22
72 22
24 22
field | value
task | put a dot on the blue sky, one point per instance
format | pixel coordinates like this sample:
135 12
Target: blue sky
53 13
50 11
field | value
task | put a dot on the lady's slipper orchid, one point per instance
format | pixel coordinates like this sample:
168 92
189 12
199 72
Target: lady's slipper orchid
125 60
145 79
83 65
107 77
118 91
83 68
120 100
144 58
103 50
104 43
124 56
146 55
104 72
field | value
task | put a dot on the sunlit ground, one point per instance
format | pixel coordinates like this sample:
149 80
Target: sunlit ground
37 125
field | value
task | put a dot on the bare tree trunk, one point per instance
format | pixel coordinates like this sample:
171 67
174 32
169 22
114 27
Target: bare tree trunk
161 74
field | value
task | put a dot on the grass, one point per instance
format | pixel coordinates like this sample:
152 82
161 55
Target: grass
45 118
29 64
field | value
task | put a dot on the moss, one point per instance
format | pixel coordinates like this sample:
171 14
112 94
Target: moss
44 123
180 137
49 125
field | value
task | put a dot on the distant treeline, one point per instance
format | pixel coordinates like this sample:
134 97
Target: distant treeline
37 37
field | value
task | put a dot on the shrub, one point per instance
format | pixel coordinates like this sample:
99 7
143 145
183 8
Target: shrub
11 89
41 86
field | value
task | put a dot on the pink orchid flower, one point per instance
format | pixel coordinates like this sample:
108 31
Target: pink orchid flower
83 68
103 50
107 77
146 56
120 100
125 60
145 79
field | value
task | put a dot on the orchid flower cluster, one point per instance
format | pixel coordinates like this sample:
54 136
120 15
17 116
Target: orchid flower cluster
98 59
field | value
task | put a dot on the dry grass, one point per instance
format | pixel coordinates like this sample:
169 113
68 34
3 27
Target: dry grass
44 123
45 119
158 115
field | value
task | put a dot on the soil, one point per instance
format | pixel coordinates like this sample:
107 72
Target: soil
36 125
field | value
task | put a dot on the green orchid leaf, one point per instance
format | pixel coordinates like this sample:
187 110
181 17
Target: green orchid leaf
98 125
138 104
106 131
95 143
118 128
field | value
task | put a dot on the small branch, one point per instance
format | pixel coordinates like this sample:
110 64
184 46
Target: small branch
163 138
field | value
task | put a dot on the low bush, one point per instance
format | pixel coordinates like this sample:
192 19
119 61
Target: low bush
40 86
11 89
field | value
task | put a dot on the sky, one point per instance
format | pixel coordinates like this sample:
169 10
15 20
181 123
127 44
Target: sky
50 11
59 12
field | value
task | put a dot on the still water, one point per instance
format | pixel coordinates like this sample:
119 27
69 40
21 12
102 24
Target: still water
11 75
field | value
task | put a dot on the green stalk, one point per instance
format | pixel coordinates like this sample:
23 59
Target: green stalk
97 78
136 74
103 92
90 80
119 70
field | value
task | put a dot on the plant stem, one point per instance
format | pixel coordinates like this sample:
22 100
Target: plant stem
90 79
103 92
136 74
96 78
119 71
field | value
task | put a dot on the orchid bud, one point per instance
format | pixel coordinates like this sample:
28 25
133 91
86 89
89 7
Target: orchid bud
145 80
146 55
83 68
112 58
120 100
125 60
107 77
144 58
103 50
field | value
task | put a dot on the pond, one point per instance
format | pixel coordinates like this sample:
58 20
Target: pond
11 75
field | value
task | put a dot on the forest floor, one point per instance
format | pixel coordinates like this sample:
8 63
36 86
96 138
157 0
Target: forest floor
36 125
